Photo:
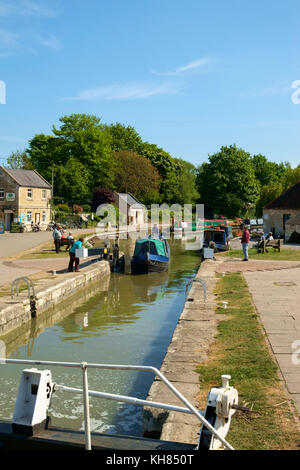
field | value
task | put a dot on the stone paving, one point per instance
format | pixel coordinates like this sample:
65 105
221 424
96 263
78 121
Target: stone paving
12 244
233 265
276 295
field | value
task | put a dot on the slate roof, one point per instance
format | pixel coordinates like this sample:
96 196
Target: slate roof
290 199
130 199
28 178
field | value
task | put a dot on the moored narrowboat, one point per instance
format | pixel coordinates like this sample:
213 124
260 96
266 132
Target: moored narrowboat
150 255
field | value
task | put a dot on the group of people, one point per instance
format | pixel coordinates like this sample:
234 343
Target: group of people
58 236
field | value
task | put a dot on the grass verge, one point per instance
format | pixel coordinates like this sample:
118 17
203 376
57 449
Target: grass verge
47 250
240 350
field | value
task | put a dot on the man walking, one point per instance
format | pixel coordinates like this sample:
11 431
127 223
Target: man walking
245 242
73 259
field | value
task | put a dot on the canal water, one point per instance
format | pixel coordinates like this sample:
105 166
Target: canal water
126 320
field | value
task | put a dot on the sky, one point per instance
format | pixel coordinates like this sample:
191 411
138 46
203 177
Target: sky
190 76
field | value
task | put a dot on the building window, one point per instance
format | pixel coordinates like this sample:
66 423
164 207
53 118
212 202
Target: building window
44 194
1 193
44 217
29 217
286 217
29 193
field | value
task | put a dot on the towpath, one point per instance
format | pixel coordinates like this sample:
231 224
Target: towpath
12 244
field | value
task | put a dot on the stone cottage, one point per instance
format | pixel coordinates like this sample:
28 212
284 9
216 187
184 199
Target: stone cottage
132 210
278 213
24 197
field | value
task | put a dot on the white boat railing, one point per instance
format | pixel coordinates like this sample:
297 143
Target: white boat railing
86 393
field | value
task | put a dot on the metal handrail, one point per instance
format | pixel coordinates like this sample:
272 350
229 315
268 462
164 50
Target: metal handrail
84 365
29 285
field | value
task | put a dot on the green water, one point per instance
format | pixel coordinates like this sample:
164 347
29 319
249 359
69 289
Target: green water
128 320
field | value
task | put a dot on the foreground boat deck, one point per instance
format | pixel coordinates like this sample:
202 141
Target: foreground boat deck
66 439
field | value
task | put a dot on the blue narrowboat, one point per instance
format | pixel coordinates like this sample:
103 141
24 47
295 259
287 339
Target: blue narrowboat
150 255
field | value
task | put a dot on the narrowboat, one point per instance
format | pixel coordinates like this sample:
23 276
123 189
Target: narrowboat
150 255
218 238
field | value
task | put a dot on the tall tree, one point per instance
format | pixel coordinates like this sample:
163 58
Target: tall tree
19 160
188 193
136 175
78 154
227 183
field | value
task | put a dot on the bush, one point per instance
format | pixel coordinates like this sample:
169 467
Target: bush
86 208
77 209
63 208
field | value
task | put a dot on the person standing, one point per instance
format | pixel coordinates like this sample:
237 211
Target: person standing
245 242
73 259
57 239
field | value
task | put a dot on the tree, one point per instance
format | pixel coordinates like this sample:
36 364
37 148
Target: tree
227 183
19 160
102 196
124 138
168 169
265 171
78 155
136 175
291 177
267 194
188 193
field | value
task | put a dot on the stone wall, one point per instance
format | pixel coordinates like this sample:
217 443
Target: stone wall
273 219
36 205
8 185
14 313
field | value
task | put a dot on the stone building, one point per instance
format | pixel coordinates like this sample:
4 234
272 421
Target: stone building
24 197
132 210
278 213
292 226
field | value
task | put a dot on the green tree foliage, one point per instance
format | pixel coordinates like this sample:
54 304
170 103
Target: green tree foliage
227 183
19 160
188 193
267 194
291 177
136 175
124 138
79 155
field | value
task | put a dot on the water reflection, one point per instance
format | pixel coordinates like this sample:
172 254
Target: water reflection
129 320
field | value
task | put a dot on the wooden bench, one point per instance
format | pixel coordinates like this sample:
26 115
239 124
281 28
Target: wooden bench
68 242
263 244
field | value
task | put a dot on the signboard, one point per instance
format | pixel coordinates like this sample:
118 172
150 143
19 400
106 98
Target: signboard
10 196
23 218
1 227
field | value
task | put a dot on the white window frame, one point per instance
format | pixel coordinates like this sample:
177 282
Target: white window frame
3 193
44 194
29 217
44 217
31 191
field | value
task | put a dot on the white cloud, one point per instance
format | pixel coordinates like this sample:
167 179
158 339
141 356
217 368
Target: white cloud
25 8
129 91
50 41
194 64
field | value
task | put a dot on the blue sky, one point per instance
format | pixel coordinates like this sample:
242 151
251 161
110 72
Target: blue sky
190 76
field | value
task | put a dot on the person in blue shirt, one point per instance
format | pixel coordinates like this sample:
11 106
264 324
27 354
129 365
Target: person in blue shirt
73 259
